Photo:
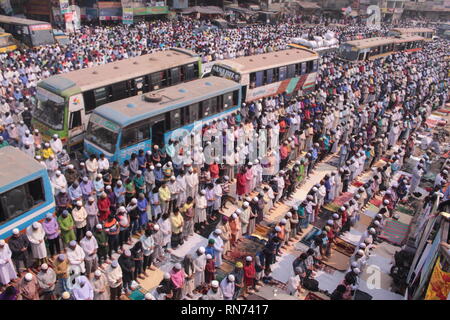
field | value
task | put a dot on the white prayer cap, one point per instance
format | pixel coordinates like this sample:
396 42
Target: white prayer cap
72 243
27 131
79 203
156 227
89 234
99 176
134 201
167 276
388 191
289 215
277 229
108 187
248 199
360 252
97 273
149 296
245 204
58 173
35 225
354 264
114 264
122 209
231 278
238 211
139 172
203 192
314 189
208 256
149 152
119 182
248 258
256 161
225 177
377 223
152 168
99 226
127 253
172 178
28 277
372 230
36 130
362 245
215 284
330 222
177 266
250 163
386 202
65 295
15 231
55 136
201 249
234 215
218 231
356 270
335 216
44 266
159 165
283 221
445 171
82 164
255 199
85 179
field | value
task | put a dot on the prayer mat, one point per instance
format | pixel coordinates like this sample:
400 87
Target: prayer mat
394 232
309 237
334 161
137 295
153 279
338 202
344 247
225 269
244 248
361 295
376 202
444 111
205 232
261 232
357 183
365 220
338 261
405 210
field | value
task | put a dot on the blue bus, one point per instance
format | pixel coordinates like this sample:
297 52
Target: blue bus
26 194
123 127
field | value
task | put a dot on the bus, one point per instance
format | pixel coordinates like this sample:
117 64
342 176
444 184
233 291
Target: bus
426 33
291 71
374 48
31 33
7 43
66 101
123 127
26 193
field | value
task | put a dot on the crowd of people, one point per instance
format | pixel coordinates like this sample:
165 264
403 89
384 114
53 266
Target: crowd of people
115 222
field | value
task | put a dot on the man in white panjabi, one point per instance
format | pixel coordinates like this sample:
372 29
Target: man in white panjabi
7 270
36 236
100 285
199 267
76 255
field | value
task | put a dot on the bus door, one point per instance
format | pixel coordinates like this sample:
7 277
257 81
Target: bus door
158 129
244 93
76 117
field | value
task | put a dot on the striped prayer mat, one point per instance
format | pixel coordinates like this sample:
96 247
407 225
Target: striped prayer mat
405 210
357 183
338 202
394 232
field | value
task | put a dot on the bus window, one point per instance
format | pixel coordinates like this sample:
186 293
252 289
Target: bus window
101 96
303 67
206 111
175 76
75 119
269 76
137 86
228 100
213 105
291 71
156 80
259 78
175 119
193 112
252 80
361 56
21 199
315 65
89 101
189 72
235 97
282 73
119 90
135 134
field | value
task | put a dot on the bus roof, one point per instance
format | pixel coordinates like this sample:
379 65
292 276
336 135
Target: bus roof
22 21
16 165
274 59
379 41
130 110
412 30
99 76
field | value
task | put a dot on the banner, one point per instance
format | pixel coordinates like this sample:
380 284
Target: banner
439 286
64 5
127 15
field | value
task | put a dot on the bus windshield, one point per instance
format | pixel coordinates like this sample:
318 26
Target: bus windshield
348 52
102 133
50 109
